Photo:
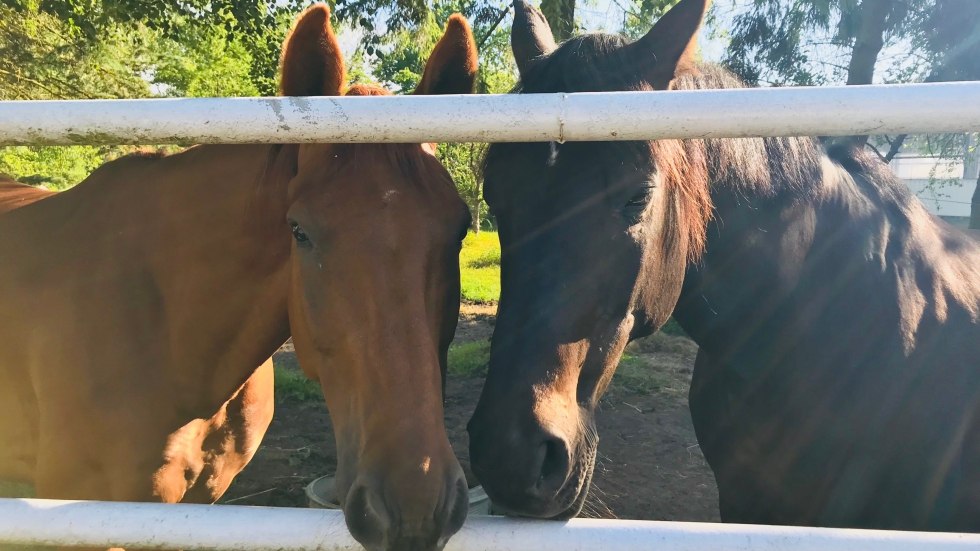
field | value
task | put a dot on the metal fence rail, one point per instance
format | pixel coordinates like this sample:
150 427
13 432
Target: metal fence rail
922 108
236 528
824 111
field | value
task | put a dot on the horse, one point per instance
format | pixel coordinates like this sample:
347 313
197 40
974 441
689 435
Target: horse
140 309
837 381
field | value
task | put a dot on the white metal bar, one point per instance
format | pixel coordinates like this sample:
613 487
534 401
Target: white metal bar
235 528
825 111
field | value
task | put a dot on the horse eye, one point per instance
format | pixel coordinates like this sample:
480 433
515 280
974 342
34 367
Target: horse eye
640 199
298 234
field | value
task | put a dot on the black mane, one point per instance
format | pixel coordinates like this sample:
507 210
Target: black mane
767 166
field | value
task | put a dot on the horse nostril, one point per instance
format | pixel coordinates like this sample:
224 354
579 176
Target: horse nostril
554 466
381 520
366 523
455 507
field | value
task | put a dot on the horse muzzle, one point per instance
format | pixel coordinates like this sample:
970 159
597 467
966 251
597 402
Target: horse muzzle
382 518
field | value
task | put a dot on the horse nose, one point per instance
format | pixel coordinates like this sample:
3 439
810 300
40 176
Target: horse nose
381 524
522 471
553 466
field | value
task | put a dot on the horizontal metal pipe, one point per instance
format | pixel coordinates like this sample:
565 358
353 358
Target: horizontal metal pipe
235 528
824 111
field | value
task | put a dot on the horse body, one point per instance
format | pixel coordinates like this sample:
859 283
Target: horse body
837 382
100 260
139 309
838 378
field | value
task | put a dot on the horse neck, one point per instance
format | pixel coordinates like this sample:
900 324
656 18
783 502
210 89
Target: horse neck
211 228
805 230
246 260
751 191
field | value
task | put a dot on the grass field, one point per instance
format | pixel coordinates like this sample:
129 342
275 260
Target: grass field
479 266
469 358
295 385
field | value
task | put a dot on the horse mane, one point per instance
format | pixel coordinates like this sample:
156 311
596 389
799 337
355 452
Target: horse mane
409 158
592 63
786 167
766 166
756 166
884 186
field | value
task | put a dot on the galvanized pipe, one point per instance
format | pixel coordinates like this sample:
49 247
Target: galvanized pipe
235 528
825 111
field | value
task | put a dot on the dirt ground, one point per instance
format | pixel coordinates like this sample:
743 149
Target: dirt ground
650 466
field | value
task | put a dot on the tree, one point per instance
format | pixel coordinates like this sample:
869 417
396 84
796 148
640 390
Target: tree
640 15
812 43
205 64
41 58
380 19
561 17
259 26
61 55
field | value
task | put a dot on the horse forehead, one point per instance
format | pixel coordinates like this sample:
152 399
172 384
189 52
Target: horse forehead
385 198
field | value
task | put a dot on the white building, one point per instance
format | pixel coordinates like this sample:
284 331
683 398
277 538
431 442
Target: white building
944 186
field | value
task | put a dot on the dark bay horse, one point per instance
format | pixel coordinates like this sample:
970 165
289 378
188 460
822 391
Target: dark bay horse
838 378
138 311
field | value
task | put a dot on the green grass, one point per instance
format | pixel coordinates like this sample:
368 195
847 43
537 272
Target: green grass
469 358
673 328
479 266
635 374
15 489
296 386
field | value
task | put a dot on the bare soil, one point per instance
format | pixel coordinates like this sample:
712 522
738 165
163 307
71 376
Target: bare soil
650 466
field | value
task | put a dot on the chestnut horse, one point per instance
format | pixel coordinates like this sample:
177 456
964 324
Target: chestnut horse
139 310
838 378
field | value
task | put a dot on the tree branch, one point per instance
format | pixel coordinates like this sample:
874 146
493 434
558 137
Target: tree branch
894 147
54 93
872 147
503 13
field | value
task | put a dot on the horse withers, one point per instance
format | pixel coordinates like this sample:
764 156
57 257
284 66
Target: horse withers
137 307
838 380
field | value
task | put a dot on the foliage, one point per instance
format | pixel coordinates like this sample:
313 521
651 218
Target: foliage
821 41
379 20
211 64
479 275
52 167
47 52
806 43
469 358
41 58
949 39
259 25
561 17
640 16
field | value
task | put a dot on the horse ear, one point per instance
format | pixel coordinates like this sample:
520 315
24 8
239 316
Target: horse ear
311 61
668 50
530 36
451 68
